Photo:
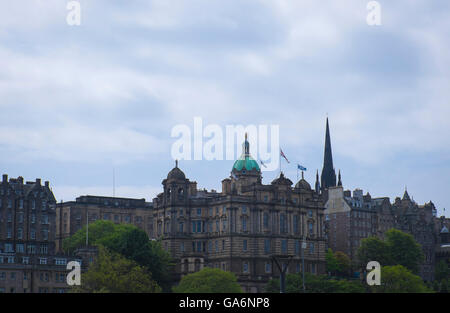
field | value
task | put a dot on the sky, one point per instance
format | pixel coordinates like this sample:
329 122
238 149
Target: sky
80 102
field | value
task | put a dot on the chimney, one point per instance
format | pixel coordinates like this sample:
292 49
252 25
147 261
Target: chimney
47 184
5 178
38 181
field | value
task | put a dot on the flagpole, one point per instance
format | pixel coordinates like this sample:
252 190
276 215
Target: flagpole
280 161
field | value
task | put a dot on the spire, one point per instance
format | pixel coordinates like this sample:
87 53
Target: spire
339 179
246 146
317 188
406 195
328 177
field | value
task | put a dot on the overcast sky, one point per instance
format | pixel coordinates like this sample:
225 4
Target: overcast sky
78 101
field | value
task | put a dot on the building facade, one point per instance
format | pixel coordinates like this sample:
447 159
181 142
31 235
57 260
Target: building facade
71 216
28 259
243 227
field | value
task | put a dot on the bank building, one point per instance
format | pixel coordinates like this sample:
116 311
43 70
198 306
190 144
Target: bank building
247 228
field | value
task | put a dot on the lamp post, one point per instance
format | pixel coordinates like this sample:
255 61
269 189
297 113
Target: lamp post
303 263
282 270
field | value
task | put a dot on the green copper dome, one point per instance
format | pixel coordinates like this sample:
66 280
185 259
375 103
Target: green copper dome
246 162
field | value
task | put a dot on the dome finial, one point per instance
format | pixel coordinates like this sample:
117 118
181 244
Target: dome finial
176 163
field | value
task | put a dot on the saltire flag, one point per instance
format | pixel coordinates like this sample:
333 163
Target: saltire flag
282 154
262 163
301 168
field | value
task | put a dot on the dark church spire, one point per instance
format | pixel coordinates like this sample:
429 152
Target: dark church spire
317 187
339 179
328 178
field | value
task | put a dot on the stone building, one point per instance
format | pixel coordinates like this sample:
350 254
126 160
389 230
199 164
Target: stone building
349 219
71 216
442 226
418 220
241 228
28 259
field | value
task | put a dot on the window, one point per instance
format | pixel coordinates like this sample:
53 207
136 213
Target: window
284 246
245 267
311 247
42 260
216 244
31 248
244 210
43 249
9 247
13 275
266 199
266 245
283 224
20 248
244 245
244 224
33 218
181 227
116 218
217 226
310 214
310 227
182 247
224 210
268 267
10 259
296 229
297 247
9 232
127 218
266 220
199 212
60 261
223 245
210 211
20 233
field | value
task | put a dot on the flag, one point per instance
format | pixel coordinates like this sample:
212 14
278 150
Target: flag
301 168
262 163
282 154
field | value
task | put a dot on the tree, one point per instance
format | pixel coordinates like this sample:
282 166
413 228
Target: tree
404 250
315 284
399 279
331 262
113 273
398 248
209 280
131 242
442 271
373 249
343 262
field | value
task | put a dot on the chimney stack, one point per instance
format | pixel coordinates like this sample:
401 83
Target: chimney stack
5 178
38 181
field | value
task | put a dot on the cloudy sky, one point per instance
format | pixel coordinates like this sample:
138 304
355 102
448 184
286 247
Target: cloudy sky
78 101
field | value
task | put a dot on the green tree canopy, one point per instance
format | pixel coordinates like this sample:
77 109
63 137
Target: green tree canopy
209 280
398 248
404 250
399 279
129 241
344 262
111 272
331 262
315 284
